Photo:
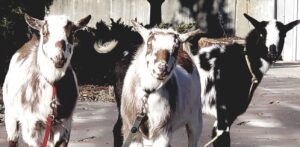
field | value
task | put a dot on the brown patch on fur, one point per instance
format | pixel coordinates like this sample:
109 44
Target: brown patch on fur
28 48
144 127
45 33
163 55
69 30
185 61
23 95
12 143
61 44
34 85
149 44
33 134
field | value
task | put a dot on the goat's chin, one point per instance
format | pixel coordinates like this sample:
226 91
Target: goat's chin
160 78
59 72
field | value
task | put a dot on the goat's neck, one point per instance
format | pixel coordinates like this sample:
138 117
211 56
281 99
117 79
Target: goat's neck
46 66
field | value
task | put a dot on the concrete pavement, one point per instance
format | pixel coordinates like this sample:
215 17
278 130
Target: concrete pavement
272 119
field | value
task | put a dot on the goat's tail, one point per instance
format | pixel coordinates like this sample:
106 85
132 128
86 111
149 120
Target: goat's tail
106 47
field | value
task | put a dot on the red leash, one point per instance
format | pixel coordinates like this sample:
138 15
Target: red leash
50 118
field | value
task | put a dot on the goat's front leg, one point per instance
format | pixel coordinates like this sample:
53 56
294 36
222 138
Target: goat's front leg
224 139
31 133
12 129
162 140
118 137
193 130
62 133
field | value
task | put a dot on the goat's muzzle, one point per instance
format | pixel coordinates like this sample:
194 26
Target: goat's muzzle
162 70
59 62
273 53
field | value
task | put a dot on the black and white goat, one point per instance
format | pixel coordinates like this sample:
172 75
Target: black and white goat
121 56
39 64
226 77
163 72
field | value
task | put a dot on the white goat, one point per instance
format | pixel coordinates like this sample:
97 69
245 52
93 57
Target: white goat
34 69
163 72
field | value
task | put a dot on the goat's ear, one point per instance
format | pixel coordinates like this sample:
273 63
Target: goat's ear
253 21
291 25
184 37
140 29
33 22
83 22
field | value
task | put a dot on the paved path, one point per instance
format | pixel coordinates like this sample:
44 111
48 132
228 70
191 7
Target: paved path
273 118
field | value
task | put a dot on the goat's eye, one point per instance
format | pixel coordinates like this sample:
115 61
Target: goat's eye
261 35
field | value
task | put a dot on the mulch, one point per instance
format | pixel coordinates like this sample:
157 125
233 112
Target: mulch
96 93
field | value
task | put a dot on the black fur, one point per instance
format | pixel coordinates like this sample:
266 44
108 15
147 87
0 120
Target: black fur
232 78
67 94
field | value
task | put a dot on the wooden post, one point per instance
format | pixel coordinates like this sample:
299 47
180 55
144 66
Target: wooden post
155 12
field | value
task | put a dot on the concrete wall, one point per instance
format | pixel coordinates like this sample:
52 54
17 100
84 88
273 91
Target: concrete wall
288 10
106 9
102 9
259 9
284 10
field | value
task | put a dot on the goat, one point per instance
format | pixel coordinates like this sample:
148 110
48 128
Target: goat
39 64
121 56
162 71
226 77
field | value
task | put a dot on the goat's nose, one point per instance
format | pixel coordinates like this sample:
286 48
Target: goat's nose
59 61
273 48
162 66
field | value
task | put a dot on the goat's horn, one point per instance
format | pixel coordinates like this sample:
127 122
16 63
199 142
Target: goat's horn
106 47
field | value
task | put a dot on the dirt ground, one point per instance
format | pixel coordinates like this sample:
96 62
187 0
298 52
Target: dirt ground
272 119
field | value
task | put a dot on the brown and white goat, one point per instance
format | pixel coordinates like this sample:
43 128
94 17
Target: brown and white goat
164 72
27 90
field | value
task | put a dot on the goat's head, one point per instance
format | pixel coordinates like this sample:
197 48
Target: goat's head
57 37
272 34
161 49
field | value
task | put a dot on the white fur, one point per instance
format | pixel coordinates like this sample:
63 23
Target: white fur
18 80
272 34
205 75
265 66
188 101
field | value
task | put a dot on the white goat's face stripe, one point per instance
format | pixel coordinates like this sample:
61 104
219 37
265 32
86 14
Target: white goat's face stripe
272 36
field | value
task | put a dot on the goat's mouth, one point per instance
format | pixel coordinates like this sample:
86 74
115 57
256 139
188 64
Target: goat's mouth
161 75
59 63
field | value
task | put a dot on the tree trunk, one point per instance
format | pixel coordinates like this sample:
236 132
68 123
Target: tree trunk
155 12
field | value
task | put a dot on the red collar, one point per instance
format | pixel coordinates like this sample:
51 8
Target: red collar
51 116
